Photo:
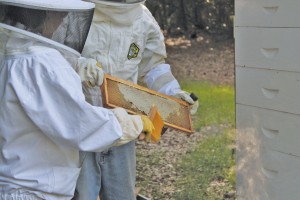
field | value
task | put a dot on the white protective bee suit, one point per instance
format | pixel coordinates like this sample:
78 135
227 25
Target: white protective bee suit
44 118
128 42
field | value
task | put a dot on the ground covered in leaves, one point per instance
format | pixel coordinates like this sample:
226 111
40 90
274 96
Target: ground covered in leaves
203 59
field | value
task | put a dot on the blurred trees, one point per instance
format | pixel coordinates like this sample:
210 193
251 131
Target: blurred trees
191 17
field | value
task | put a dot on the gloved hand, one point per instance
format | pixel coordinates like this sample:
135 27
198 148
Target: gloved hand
132 126
90 72
186 97
148 128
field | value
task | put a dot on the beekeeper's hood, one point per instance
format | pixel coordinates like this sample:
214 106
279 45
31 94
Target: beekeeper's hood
40 20
122 12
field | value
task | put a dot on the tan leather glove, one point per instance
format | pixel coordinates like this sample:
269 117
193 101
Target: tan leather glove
90 72
148 128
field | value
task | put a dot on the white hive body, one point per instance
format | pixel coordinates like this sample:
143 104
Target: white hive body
267 99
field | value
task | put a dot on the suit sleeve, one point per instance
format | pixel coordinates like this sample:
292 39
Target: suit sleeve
56 105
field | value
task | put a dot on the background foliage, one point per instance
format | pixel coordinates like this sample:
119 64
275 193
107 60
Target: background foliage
191 17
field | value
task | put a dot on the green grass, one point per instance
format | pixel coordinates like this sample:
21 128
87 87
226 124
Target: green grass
216 103
209 162
212 159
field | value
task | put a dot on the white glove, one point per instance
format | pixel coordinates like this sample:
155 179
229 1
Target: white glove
90 72
186 97
132 126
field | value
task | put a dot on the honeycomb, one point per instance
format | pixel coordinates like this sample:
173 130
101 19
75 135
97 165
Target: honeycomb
138 100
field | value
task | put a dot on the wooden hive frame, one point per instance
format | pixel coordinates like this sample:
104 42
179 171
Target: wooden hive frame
137 99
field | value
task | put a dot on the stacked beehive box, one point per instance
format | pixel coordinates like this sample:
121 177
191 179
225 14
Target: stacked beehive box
267 41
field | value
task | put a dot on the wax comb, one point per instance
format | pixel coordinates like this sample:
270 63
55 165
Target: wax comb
136 99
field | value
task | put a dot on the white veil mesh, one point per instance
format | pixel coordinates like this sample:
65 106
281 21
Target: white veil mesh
66 26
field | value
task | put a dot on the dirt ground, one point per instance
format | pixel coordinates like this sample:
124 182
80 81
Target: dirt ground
200 59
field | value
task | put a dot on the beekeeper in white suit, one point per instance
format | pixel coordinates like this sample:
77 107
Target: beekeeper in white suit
44 118
127 41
